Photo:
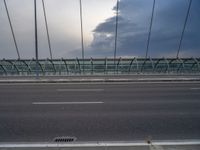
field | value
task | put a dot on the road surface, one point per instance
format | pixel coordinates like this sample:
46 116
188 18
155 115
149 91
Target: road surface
100 111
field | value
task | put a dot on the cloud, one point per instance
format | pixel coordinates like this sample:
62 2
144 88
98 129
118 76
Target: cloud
134 20
63 23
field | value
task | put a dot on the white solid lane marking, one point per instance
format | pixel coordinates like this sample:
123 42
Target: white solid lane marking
103 144
194 88
156 147
65 103
80 90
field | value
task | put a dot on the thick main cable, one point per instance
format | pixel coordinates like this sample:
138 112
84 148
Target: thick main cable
82 37
184 27
116 31
36 39
11 27
150 29
47 29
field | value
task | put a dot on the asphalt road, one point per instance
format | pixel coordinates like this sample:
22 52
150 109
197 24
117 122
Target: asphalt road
100 112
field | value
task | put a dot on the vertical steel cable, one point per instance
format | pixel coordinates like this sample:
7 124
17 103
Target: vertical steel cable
116 31
150 29
82 38
183 31
36 39
47 29
11 27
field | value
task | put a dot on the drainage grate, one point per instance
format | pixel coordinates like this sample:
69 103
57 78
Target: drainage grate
65 139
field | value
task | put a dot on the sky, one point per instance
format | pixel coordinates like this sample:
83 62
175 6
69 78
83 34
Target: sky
99 28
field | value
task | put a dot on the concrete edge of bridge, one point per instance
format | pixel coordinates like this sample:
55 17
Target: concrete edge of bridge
137 145
100 79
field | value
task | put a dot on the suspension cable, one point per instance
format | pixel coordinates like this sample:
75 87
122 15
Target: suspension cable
11 27
150 29
184 27
36 39
116 31
47 29
82 37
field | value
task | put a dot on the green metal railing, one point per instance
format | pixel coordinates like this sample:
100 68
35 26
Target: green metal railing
100 66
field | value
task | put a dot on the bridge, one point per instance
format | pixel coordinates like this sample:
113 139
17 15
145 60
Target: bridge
112 102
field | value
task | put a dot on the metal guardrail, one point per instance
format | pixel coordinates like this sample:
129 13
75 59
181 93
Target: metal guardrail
100 66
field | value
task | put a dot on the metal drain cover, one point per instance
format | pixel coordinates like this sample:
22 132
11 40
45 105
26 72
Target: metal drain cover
64 139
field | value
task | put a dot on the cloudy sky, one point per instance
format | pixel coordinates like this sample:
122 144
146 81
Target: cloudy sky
99 26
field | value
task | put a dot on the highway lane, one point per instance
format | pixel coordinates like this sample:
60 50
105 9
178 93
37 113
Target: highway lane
100 111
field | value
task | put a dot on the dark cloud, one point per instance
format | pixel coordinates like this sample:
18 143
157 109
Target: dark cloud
134 24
